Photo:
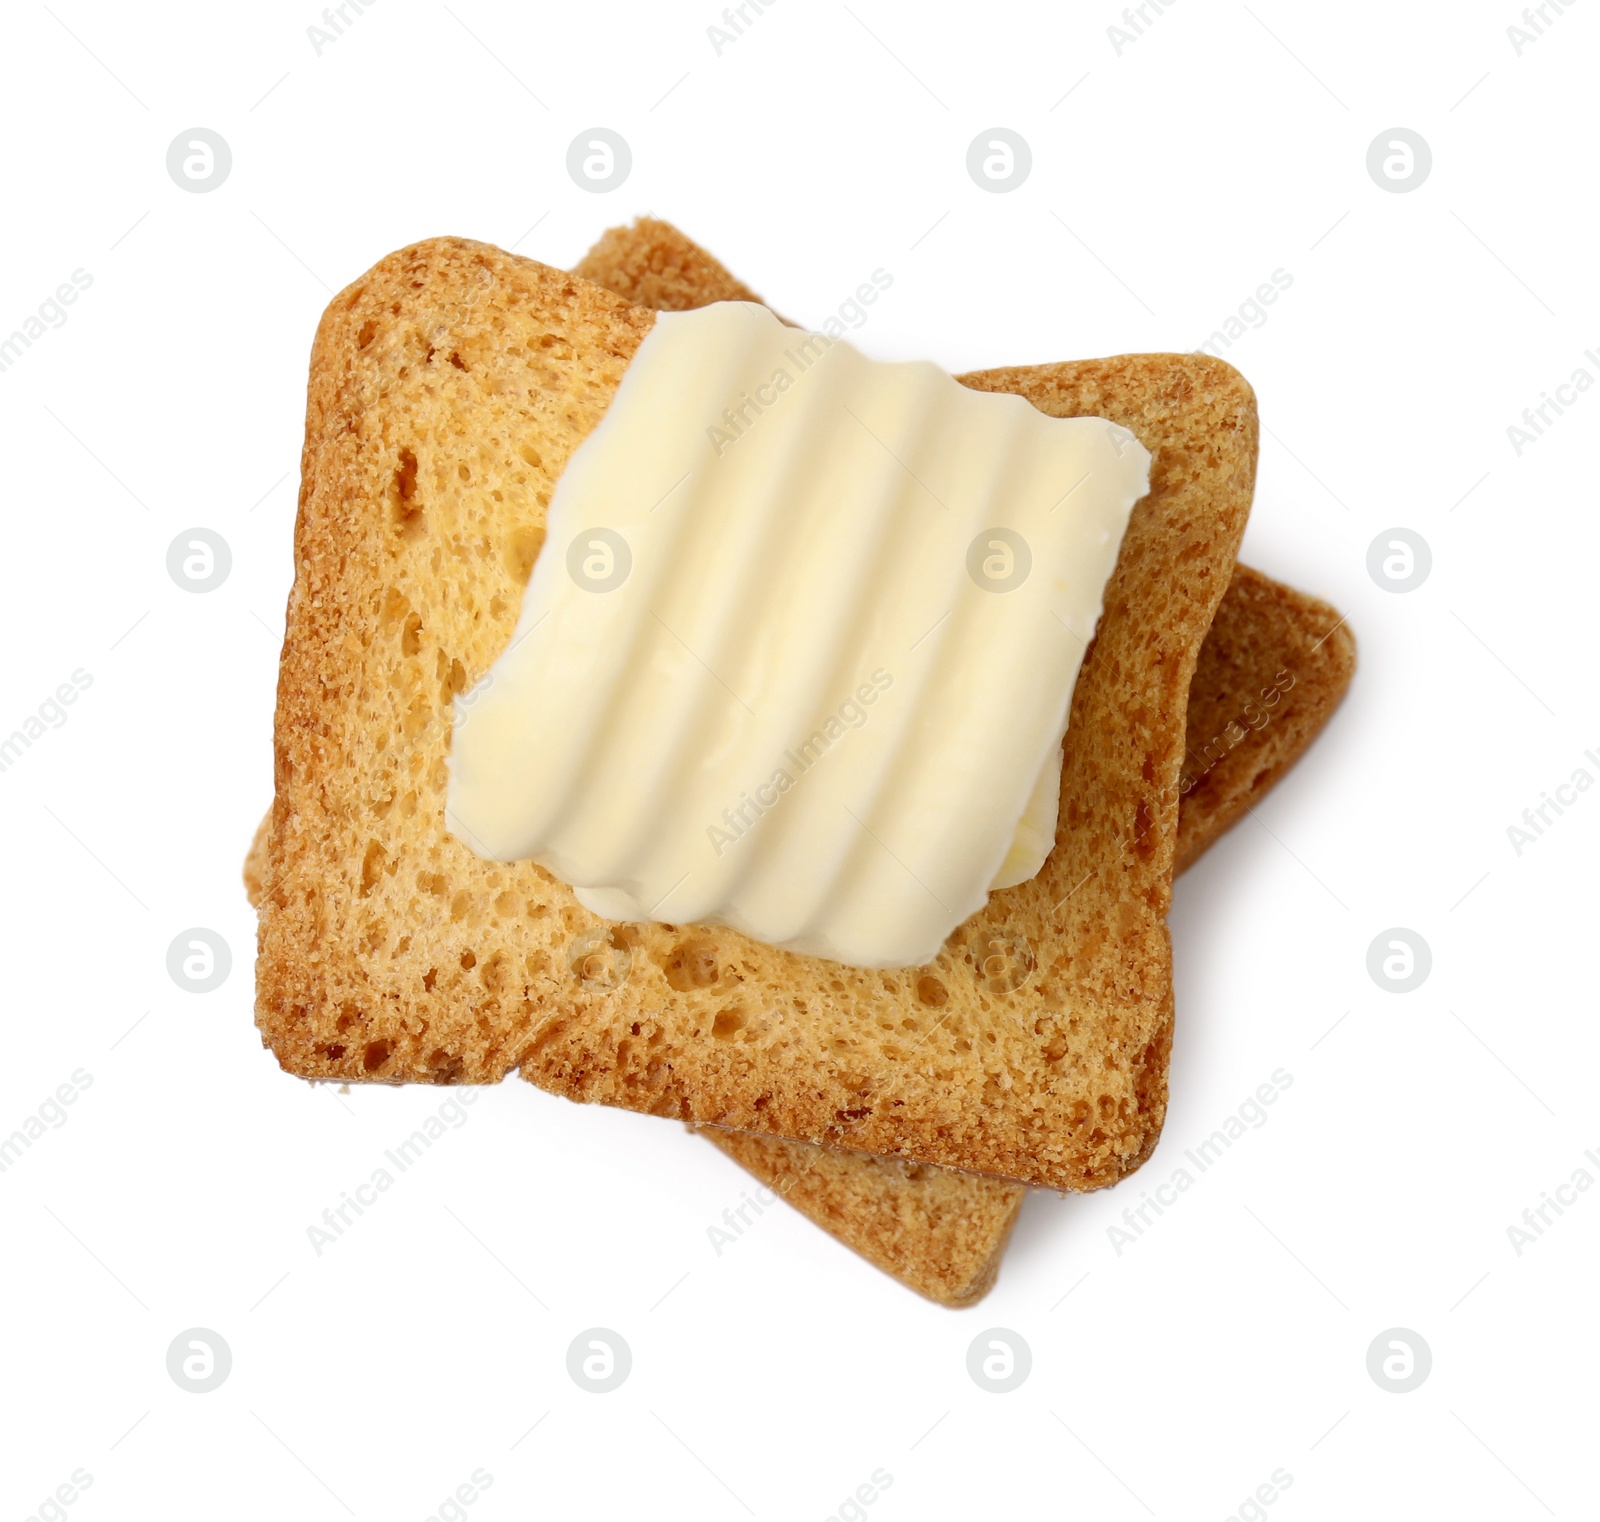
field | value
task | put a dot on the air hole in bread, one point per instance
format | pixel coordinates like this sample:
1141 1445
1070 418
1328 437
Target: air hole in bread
371 866
446 1066
601 956
931 991
408 516
728 1024
453 681
469 960
376 1054
690 965
364 337
405 478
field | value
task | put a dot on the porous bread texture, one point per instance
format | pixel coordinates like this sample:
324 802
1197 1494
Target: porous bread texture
448 388
652 264
1276 664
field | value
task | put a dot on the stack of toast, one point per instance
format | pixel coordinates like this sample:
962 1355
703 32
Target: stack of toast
904 1110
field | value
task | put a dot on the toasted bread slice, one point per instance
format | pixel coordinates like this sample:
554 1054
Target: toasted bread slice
448 387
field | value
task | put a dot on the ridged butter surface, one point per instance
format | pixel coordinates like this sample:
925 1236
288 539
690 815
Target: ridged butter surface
798 654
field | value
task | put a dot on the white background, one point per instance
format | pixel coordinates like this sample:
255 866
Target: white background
1168 181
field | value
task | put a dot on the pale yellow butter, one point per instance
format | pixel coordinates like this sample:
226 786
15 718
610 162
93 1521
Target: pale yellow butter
798 653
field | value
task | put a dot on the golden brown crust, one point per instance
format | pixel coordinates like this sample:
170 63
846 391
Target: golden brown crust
940 1231
653 265
255 861
1274 667
448 388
